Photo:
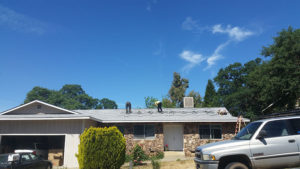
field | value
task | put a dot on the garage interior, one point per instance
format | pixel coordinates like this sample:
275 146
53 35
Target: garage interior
52 146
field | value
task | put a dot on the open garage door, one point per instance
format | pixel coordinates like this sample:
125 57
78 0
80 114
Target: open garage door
49 147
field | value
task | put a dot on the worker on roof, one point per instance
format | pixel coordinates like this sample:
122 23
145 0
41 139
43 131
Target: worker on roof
128 107
158 104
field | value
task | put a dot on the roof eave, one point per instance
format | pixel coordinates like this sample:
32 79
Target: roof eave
41 102
171 121
43 118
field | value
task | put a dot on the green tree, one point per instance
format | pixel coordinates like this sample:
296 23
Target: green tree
278 80
197 98
106 103
178 88
167 103
234 91
150 102
70 97
72 90
38 93
210 95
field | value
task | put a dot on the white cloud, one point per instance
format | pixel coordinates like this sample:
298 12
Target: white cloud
20 22
192 58
235 33
211 60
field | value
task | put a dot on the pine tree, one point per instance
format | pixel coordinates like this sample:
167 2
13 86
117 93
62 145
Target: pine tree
210 95
178 88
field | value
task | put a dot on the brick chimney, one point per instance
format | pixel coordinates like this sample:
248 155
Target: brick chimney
188 102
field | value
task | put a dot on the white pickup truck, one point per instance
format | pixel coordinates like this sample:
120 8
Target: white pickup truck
264 144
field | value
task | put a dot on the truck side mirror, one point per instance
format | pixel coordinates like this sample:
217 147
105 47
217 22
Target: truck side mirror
262 134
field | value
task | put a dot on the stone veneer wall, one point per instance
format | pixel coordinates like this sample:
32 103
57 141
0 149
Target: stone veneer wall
191 138
149 145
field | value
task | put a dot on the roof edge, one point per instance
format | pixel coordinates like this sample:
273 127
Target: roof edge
41 102
45 118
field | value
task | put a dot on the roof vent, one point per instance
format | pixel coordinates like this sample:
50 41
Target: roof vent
188 102
128 107
222 112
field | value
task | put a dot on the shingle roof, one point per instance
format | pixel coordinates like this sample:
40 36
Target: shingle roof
168 115
136 116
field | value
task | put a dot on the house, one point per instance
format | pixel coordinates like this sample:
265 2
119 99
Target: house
181 129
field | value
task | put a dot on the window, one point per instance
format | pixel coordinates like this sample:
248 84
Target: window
25 157
143 131
33 156
295 124
247 132
276 128
210 131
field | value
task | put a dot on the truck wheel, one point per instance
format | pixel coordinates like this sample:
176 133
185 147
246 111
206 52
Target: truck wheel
236 165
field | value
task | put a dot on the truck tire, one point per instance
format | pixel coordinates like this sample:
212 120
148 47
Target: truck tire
236 165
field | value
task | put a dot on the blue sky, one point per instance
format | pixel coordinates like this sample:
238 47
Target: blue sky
126 50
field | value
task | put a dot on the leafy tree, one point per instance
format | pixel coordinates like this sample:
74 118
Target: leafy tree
210 95
150 102
38 93
178 88
278 80
69 97
264 87
167 103
105 103
234 91
72 90
197 98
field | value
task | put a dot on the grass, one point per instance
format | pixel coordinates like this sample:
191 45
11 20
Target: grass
186 164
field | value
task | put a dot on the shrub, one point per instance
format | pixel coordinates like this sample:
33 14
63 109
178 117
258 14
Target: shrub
159 155
139 155
101 148
155 164
128 158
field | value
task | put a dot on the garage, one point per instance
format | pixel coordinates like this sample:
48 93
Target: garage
48 147
50 130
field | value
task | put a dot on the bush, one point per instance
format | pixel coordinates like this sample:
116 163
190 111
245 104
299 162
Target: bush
139 155
128 158
101 148
159 155
155 164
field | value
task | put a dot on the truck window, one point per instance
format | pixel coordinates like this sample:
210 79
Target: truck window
277 128
25 157
247 132
295 124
